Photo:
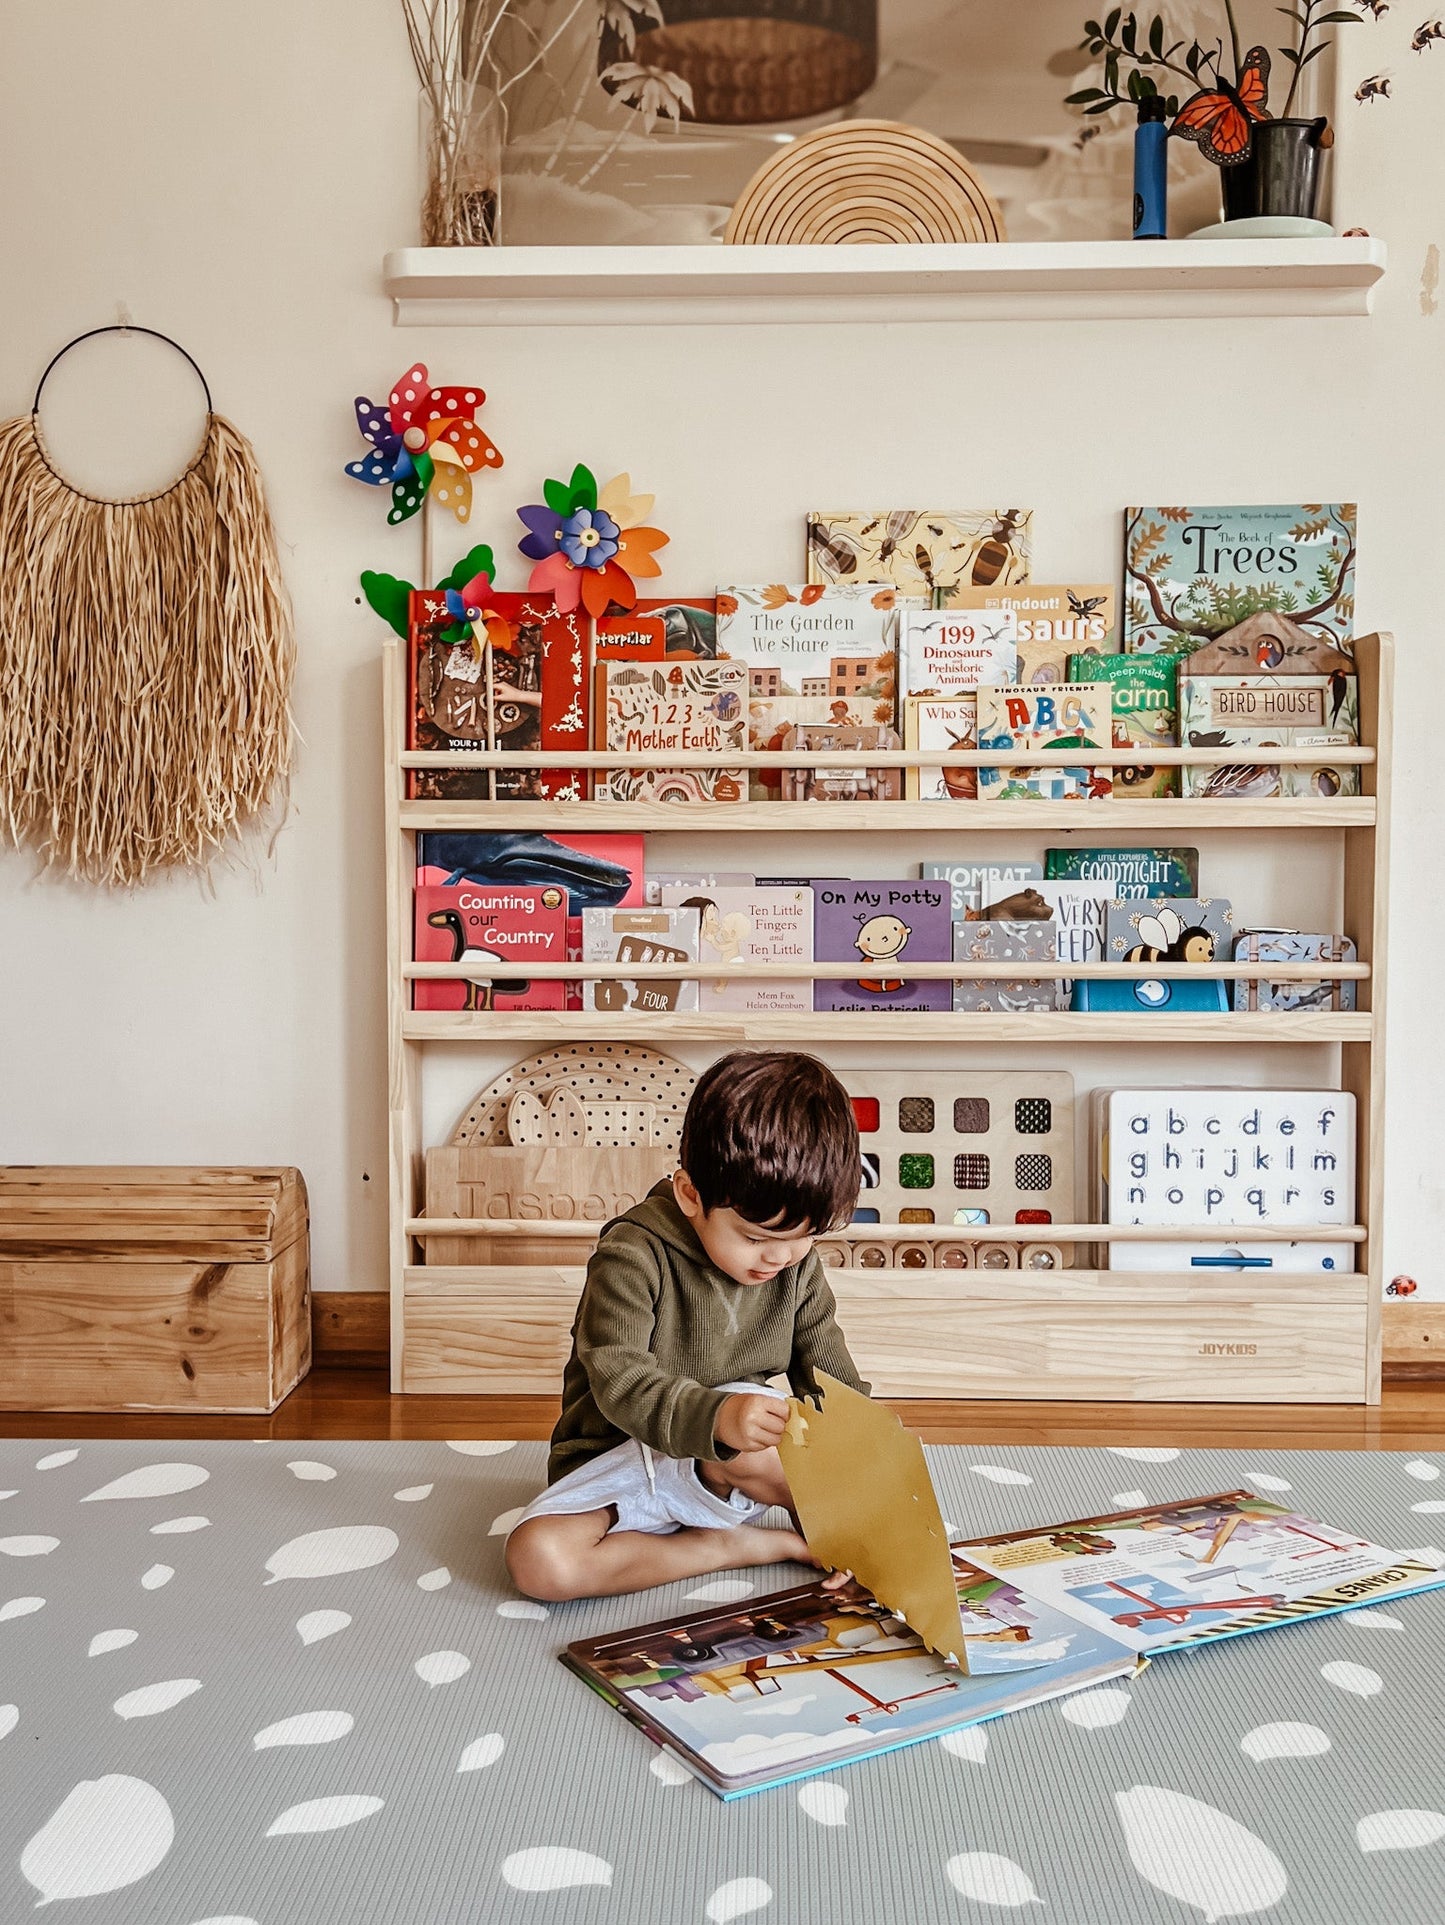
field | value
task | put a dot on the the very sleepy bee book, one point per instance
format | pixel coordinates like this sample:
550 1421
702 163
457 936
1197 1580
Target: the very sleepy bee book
769 1690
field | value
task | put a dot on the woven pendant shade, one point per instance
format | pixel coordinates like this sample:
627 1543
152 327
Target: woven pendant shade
751 62
865 181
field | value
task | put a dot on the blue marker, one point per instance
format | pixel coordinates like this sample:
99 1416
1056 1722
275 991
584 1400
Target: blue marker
1151 171
1231 1263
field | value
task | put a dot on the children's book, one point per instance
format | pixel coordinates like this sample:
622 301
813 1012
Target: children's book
1018 942
1051 623
639 936
1194 572
525 690
1078 912
921 550
886 925
1227 1157
656 630
690 707
812 654
930 1637
1134 872
750 925
695 879
949 723
1146 713
847 782
1174 929
594 871
971 884
1257 712
465 924
1068 715
948 652
1288 946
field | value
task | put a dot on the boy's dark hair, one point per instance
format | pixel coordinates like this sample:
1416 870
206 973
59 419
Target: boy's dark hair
771 1134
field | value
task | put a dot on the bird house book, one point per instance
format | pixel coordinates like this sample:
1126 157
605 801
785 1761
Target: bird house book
654 630
884 926
1190 573
750 925
1066 715
1290 946
1227 1157
523 688
948 723
470 925
1050 623
647 936
921 550
928 1637
945 652
687 707
1016 942
1254 713
1146 714
812 654
1175 929
1134 872
971 884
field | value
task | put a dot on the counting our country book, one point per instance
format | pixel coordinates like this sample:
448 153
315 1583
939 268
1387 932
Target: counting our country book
1191 573
466 923
1067 715
921 550
1145 714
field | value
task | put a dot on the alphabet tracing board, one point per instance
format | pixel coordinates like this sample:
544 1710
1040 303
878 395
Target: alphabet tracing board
1228 1157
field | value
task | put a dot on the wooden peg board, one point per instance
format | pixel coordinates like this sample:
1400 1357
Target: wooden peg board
625 1077
934 1144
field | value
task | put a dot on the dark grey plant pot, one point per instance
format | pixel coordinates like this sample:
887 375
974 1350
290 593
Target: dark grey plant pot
1282 174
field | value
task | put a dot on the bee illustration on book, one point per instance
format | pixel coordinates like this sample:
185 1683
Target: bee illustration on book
882 939
838 555
1167 938
997 555
1083 606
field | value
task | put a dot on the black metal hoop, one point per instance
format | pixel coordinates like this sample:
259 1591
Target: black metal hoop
122 327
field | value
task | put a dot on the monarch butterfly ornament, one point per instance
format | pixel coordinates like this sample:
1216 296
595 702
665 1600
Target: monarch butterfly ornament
1220 119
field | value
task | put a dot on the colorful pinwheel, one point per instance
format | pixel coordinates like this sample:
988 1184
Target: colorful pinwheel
589 543
426 438
458 608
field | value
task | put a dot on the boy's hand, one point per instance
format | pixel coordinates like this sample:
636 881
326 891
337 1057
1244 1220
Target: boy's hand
747 1423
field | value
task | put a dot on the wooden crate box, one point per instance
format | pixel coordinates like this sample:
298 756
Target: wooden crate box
152 1288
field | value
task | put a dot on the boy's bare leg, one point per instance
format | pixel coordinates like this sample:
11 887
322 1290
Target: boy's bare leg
759 1474
581 1555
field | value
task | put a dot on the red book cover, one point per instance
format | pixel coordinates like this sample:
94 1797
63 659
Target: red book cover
594 871
684 628
466 923
537 697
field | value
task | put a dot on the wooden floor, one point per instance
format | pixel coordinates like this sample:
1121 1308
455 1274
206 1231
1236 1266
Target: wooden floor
356 1403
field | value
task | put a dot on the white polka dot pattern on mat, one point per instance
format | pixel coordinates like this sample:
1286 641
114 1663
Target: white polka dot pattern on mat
1145 1453
152 1699
317 1625
824 1802
482 1752
442 1667
324 1814
21 1607
55 1459
346 1547
553 1868
152 1480
480 1446
106 1834
1400 1830
310 1472
1094 1710
1000 1474
306 1728
521 1607
1284 1741
1426 1473
1357 1679
1193 1852
737 1899
990 1879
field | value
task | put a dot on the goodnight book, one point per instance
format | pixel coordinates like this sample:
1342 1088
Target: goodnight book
1190 573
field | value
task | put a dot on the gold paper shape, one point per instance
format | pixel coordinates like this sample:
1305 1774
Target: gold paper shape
867 1505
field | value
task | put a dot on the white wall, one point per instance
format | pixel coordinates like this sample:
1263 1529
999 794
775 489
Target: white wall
234 173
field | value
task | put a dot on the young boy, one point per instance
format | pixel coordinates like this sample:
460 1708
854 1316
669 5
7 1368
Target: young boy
665 1455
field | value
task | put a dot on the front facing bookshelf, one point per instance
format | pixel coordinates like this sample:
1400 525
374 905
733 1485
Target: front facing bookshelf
1080 1333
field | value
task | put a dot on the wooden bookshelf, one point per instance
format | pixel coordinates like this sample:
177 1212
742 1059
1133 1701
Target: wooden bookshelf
1069 1333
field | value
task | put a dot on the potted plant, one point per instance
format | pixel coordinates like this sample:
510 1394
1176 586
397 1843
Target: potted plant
1269 164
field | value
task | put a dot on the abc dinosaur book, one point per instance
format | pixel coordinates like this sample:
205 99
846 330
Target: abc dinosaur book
921 550
1191 573
1065 715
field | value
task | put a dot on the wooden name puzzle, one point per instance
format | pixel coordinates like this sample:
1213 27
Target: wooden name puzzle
971 1148
544 1182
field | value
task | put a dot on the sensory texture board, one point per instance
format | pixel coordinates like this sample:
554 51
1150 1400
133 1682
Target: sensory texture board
290 1684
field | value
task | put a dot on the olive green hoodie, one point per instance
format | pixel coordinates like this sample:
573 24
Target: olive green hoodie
658 1327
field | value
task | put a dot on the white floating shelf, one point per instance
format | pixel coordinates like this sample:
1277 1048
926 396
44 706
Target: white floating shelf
1011 280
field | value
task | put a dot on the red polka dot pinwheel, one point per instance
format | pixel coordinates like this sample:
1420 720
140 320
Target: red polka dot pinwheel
589 543
426 440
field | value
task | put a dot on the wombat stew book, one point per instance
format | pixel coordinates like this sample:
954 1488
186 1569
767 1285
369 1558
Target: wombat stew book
930 1636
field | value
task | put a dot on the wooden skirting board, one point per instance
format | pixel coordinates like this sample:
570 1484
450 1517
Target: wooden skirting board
351 1332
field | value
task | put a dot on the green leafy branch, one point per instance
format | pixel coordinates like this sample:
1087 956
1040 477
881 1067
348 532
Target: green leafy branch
1310 21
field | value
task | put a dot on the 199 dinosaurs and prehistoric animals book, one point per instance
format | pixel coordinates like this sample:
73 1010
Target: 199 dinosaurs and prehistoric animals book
757 1694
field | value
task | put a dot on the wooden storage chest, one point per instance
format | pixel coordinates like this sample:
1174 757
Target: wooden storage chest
152 1288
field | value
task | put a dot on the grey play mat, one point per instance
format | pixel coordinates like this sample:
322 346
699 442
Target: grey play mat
210 1713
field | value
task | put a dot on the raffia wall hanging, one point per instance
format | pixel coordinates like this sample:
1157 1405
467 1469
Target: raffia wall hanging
861 181
146 658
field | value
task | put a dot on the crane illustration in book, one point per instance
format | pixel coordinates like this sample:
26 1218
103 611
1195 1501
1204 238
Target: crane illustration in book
1192 573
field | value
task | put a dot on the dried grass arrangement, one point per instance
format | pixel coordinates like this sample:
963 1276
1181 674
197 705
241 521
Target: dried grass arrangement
146 660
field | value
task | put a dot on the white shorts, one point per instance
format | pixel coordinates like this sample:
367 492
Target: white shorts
650 1493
